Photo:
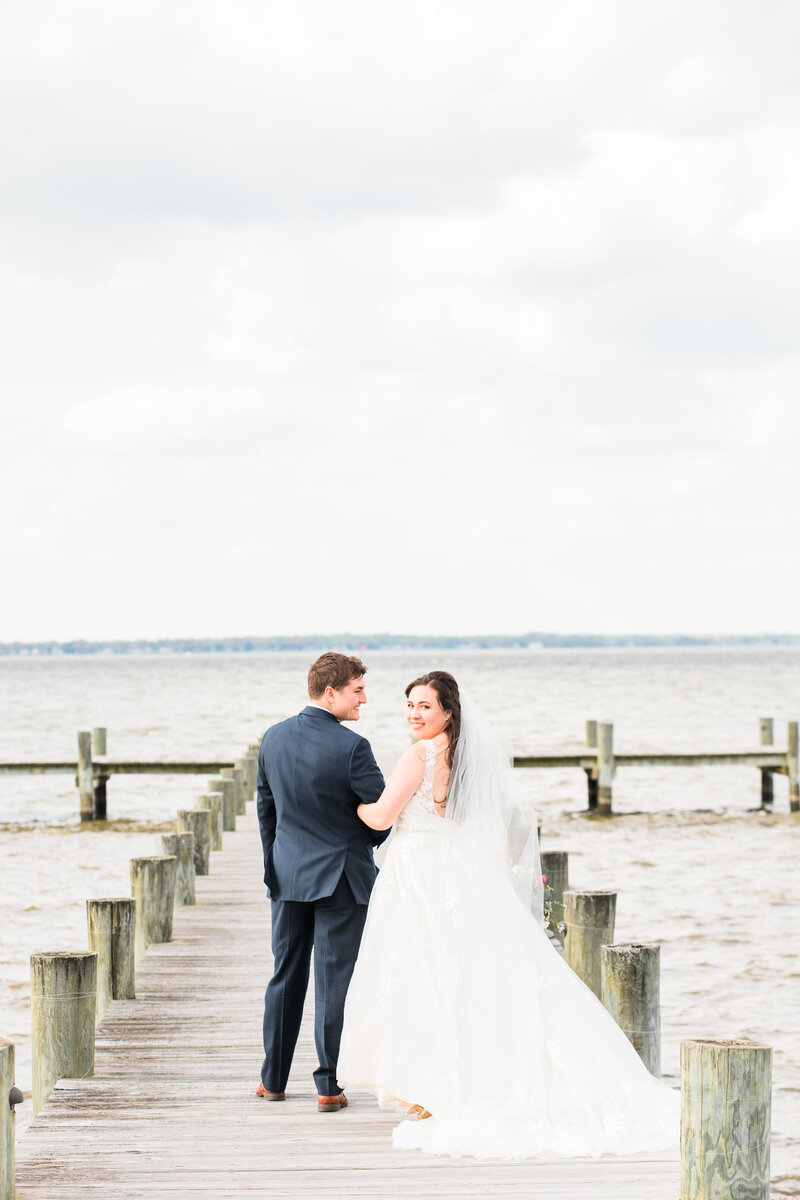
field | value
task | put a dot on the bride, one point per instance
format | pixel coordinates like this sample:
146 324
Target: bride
460 1012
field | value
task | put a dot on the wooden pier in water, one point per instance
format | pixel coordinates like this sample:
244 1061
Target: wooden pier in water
171 1110
599 761
93 770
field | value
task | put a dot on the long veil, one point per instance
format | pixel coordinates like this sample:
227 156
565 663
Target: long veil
486 824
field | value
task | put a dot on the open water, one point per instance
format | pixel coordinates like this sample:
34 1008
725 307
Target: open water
695 867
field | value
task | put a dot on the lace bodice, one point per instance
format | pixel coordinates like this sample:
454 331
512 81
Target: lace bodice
420 815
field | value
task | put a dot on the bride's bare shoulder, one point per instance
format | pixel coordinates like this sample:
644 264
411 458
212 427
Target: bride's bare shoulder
412 759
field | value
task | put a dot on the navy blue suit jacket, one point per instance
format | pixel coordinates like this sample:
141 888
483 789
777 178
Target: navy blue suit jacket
312 773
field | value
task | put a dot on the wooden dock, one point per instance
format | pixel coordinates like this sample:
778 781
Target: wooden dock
599 761
172 1112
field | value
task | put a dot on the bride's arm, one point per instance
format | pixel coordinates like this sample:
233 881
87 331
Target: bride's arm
403 782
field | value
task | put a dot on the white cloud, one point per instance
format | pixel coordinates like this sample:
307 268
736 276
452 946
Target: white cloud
448 316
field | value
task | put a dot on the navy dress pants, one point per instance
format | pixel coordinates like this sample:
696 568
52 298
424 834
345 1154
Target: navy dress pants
332 927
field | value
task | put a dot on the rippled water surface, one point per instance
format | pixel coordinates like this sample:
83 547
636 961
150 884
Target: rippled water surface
695 867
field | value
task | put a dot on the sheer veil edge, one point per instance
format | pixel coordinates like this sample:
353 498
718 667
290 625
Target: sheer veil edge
484 818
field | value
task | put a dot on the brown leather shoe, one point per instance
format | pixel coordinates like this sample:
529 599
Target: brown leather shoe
262 1091
331 1103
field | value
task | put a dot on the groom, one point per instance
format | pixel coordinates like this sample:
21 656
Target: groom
318 866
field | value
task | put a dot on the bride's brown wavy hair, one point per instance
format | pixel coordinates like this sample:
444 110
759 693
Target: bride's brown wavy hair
447 692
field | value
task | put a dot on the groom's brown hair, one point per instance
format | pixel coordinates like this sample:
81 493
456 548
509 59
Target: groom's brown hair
333 670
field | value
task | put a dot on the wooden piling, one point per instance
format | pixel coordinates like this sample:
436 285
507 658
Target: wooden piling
181 846
726 1111
112 935
85 775
197 822
792 767
63 1002
255 749
213 801
100 778
226 788
7 1121
250 762
236 775
589 917
605 766
591 772
555 868
630 990
766 736
100 806
153 887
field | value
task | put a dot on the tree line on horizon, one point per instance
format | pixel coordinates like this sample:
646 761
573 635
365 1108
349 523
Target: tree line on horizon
353 643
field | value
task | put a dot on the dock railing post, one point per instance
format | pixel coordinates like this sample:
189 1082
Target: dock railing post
766 737
112 935
226 789
251 764
792 767
726 1117
630 984
153 887
99 779
245 765
234 775
181 846
100 805
591 772
555 868
198 822
605 766
213 801
63 1002
7 1121
255 750
589 917
85 775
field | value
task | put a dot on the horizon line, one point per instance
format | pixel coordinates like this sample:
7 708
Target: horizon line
384 640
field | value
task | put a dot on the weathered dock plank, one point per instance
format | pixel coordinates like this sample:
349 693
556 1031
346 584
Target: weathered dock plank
172 1111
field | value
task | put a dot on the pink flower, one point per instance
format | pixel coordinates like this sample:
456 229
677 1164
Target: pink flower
544 879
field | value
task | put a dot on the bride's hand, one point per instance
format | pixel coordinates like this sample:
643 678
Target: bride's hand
403 782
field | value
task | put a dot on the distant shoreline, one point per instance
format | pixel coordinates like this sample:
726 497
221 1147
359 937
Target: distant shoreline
354 643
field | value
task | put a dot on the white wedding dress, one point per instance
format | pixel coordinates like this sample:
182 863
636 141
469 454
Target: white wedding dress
460 1004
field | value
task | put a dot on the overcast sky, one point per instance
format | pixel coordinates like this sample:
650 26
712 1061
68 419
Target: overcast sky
432 316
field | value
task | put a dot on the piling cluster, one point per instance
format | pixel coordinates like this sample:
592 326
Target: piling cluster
71 990
726 1085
